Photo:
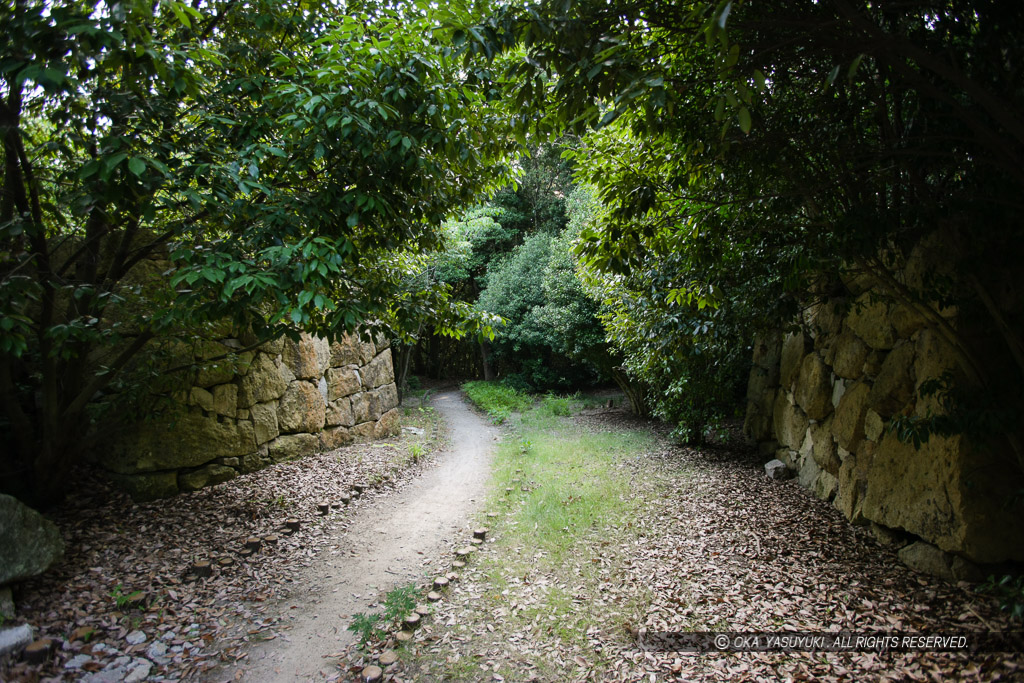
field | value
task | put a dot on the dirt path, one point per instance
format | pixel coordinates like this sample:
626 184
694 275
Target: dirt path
386 547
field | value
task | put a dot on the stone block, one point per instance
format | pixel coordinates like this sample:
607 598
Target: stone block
849 354
848 423
933 357
387 397
256 460
339 413
301 409
225 370
344 352
378 371
205 476
794 348
388 425
180 440
365 408
307 357
826 486
264 421
225 400
147 486
364 431
343 382
768 354
813 391
262 383
869 319
927 559
823 448
849 495
202 398
31 543
334 437
874 426
789 422
292 446
894 384
776 469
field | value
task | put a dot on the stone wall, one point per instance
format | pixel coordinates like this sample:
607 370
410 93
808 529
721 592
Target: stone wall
822 400
256 408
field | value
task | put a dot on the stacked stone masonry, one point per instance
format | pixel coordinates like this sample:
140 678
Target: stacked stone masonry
282 401
823 399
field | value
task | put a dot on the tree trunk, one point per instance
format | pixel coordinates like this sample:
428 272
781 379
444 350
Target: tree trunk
485 359
634 393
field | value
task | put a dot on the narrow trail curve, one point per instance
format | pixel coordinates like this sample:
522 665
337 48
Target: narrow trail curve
390 541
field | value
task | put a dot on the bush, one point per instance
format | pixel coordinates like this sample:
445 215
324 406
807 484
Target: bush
497 399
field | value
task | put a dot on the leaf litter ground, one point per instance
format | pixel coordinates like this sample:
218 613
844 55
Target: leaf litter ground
713 545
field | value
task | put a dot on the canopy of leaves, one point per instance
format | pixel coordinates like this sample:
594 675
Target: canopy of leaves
167 166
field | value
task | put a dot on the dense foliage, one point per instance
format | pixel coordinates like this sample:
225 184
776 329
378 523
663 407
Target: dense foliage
169 166
754 155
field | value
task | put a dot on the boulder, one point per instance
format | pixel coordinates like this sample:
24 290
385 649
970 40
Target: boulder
794 348
894 384
292 446
389 424
776 469
147 486
869 319
789 422
262 383
814 387
849 353
365 408
825 319
264 421
31 543
848 423
343 382
301 409
339 413
180 439
206 476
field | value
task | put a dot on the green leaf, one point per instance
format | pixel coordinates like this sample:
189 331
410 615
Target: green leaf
744 118
137 166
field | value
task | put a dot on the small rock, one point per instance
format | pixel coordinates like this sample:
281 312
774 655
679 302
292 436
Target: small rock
138 671
776 469
15 639
136 637
157 651
77 662
387 658
418 431
372 674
